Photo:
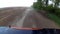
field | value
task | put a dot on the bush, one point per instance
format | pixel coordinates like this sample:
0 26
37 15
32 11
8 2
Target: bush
57 12
54 17
37 5
51 9
53 12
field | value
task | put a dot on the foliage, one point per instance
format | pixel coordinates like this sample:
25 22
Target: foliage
52 8
37 5
54 17
53 11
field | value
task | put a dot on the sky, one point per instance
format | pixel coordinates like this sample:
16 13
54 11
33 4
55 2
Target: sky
50 2
14 3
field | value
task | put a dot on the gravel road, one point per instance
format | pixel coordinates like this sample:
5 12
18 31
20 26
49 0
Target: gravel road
25 17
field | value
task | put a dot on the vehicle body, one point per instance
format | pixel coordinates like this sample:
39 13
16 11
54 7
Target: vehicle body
22 30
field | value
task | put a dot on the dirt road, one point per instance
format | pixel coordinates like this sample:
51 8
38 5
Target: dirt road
25 17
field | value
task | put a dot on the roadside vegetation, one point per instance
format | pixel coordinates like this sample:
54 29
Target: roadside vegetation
51 7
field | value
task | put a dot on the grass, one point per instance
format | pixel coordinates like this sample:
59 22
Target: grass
54 17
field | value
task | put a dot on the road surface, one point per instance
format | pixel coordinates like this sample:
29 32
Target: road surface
25 17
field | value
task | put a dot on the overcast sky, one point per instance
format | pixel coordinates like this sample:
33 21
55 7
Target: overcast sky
13 3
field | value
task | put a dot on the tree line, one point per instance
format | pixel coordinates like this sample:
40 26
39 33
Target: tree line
51 8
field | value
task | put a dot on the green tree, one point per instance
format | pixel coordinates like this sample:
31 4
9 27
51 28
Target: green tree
56 2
